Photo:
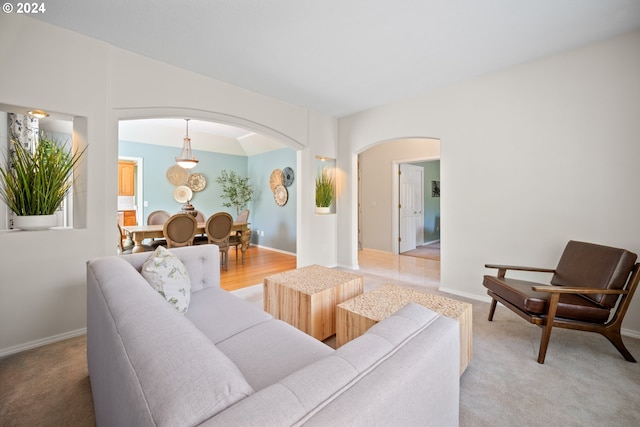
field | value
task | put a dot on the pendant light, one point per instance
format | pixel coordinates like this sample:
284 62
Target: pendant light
186 159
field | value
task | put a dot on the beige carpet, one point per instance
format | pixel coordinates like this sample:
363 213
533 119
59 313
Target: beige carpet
584 381
431 251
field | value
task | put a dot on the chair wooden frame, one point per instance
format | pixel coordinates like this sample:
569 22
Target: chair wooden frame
221 242
610 329
187 240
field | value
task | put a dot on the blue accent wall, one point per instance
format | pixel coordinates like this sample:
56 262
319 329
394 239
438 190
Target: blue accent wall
277 222
158 191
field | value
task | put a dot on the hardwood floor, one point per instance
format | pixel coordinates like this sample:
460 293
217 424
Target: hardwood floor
258 264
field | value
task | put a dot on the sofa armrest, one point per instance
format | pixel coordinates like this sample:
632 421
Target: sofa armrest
403 371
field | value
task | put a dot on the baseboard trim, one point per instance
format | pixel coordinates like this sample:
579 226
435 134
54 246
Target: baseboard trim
43 341
626 332
273 249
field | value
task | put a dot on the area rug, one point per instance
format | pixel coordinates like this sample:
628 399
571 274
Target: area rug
431 251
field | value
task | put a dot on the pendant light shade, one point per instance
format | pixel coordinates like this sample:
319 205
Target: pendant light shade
186 159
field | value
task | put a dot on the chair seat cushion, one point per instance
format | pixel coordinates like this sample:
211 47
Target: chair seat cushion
520 294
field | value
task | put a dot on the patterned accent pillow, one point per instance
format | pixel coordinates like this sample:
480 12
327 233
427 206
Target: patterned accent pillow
168 275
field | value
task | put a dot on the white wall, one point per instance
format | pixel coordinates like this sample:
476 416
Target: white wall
379 197
42 274
531 157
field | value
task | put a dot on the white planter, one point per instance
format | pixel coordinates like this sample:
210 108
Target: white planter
323 210
34 222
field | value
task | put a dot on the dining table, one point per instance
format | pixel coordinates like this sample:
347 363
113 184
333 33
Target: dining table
138 233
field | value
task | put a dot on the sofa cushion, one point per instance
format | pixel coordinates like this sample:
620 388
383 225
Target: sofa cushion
168 275
220 314
276 350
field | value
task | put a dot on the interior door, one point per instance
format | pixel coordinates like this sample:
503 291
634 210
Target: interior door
411 206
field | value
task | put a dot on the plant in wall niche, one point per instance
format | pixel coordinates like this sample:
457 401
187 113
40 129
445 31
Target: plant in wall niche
35 184
324 192
236 189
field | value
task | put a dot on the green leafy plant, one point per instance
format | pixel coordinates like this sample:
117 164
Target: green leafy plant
236 189
37 183
324 189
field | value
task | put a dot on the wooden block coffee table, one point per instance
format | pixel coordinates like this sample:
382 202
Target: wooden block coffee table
355 316
307 297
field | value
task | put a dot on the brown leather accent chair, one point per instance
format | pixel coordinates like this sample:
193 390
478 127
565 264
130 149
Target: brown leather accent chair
218 229
180 230
590 290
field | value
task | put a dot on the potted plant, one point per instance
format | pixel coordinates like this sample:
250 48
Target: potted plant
235 189
34 184
324 192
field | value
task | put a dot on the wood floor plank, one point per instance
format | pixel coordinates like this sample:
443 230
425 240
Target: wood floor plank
258 264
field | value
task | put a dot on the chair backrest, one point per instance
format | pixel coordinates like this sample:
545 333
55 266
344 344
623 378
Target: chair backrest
594 266
157 217
243 216
200 217
120 237
219 227
180 230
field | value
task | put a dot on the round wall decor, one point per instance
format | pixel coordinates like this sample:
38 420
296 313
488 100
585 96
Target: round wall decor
281 195
182 194
177 175
197 182
277 178
288 176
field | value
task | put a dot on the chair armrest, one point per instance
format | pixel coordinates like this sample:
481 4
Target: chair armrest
577 290
502 269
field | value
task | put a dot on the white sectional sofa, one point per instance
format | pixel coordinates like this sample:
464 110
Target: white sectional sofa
227 363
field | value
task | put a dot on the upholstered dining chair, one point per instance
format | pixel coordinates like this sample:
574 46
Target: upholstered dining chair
158 217
236 238
590 290
180 230
122 248
218 229
200 238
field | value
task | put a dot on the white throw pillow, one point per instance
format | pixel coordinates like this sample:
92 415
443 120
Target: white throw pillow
168 275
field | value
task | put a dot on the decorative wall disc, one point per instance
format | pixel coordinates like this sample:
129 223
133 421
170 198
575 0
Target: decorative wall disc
288 176
281 195
177 175
277 178
182 194
197 182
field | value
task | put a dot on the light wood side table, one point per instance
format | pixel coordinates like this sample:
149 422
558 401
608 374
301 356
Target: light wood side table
355 316
307 297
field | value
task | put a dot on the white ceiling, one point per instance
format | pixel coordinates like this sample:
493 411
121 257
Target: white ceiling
344 56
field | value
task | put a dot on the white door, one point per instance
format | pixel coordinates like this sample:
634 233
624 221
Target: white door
411 206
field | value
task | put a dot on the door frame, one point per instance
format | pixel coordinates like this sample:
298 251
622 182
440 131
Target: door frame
395 198
139 191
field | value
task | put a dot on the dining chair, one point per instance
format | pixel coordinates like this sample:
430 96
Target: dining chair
236 238
218 229
122 248
180 230
158 217
200 238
